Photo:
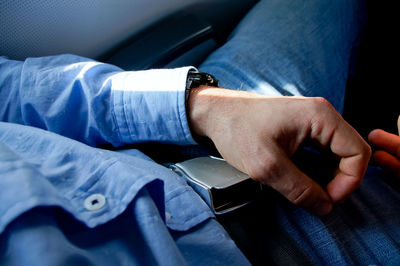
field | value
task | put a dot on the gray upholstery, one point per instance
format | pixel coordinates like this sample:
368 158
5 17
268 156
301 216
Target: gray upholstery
89 28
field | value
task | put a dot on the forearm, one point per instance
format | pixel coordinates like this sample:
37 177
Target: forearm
95 103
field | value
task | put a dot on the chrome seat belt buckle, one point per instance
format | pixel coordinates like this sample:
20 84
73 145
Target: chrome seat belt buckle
222 187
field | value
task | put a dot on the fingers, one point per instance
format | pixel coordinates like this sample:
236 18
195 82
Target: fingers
279 172
329 128
383 140
388 162
388 154
262 149
302 190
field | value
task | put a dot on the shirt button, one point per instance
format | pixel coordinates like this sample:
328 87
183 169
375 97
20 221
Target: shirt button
95 202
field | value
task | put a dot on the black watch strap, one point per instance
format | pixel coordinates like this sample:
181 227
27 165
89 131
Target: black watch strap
196 79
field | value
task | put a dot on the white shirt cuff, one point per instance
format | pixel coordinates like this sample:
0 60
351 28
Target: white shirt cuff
150 106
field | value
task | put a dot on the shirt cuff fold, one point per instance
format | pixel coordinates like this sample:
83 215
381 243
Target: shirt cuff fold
149 106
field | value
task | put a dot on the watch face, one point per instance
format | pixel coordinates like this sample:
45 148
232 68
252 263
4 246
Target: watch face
196 79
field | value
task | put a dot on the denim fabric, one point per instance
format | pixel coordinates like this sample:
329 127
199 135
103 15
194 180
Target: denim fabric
364 230
288 47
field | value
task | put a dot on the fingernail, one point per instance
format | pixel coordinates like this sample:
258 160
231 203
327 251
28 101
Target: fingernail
322 208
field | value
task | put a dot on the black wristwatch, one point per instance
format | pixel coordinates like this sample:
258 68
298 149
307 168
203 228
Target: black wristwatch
196 79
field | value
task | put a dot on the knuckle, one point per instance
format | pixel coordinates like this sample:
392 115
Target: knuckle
299 195
323 118
365 152
317 126
321 107
320 102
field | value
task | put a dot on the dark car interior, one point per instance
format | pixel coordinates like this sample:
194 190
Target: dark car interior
372 99
145 34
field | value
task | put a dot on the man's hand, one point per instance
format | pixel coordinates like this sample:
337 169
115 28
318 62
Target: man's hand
388 154
258 134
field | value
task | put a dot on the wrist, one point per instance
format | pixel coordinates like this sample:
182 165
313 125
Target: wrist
199 106
208 107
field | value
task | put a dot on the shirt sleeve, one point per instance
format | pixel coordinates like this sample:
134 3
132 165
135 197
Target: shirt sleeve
93 102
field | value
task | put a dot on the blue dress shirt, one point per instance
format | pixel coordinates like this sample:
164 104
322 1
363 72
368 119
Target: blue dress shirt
66 201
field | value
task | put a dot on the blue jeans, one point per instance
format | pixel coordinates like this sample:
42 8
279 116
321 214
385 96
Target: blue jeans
289 47
285 47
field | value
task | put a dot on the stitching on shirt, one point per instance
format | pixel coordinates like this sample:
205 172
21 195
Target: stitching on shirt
184 104
179 106
101 172
125 116
114 116
184 223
